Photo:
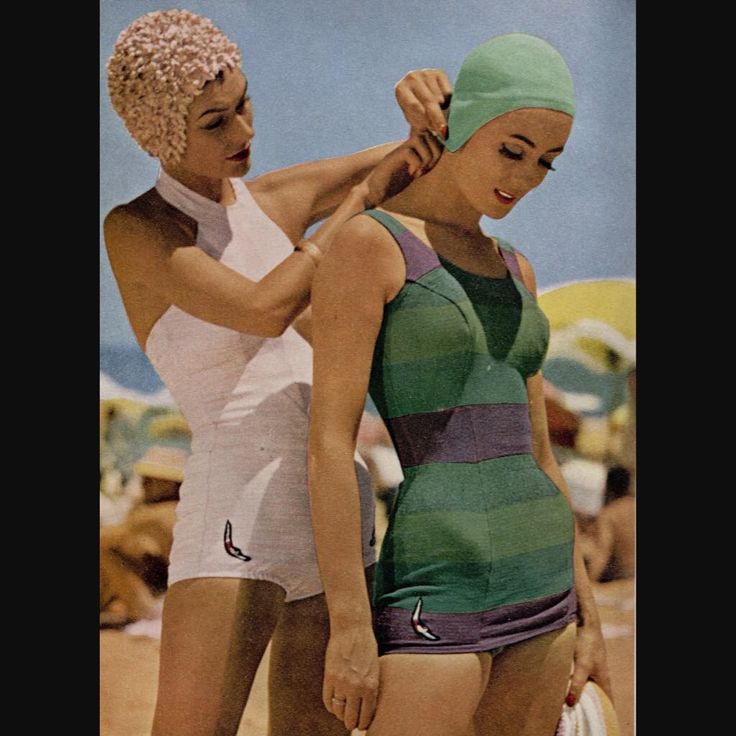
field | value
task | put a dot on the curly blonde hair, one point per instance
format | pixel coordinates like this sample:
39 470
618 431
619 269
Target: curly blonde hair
160 63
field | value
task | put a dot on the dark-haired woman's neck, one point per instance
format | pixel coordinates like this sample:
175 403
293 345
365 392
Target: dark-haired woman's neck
436 198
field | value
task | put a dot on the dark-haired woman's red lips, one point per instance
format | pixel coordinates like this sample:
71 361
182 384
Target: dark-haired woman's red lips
240 155
504 197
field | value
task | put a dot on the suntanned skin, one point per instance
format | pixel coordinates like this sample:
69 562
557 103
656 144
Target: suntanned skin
215 630
435 695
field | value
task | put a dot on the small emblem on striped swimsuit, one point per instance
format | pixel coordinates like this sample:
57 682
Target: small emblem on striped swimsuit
230 548
419 627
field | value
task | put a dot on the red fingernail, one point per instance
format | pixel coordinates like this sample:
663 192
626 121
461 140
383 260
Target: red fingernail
570 699
443 131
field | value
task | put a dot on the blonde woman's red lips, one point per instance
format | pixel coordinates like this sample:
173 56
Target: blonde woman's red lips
240 155
504 197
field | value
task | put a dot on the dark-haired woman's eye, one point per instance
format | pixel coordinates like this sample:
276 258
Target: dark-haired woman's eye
214 124
546 164
515 153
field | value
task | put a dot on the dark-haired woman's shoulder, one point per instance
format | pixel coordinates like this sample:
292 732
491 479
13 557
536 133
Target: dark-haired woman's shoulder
365 256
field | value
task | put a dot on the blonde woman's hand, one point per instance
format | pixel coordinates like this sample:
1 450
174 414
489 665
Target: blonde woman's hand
415 156
424 95
350 685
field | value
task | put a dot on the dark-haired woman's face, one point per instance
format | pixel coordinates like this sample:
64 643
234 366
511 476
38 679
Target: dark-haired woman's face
220 129
508 157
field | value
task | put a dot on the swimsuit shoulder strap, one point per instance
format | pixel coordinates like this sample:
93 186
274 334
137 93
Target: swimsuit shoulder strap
510 257
419 257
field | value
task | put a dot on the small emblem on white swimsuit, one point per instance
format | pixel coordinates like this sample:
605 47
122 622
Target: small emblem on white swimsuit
230 548
419 627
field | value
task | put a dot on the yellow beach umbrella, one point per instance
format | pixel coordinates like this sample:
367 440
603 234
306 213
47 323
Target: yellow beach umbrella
592 342
597 316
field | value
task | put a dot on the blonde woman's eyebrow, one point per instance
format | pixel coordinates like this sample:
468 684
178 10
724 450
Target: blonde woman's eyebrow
223 109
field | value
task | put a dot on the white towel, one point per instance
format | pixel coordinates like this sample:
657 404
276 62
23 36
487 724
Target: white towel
587 716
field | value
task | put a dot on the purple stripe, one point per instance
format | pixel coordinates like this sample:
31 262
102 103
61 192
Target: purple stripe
420 258
474 632
512 263
463 434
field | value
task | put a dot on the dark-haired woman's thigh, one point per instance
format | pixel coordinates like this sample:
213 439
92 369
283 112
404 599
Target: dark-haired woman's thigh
527 688
429 694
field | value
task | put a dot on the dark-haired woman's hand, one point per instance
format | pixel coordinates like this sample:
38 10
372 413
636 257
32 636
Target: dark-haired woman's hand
350 685
414 157
424 95
590 661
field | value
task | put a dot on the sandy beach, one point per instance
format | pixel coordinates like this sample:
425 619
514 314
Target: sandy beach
129 668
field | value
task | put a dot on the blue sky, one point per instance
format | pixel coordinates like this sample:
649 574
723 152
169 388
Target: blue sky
321 76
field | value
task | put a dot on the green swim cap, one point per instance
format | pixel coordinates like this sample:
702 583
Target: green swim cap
507 73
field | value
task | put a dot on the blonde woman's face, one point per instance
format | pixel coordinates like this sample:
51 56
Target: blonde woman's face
508 157
220 129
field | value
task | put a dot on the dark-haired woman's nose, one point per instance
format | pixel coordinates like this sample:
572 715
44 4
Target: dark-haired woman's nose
533 175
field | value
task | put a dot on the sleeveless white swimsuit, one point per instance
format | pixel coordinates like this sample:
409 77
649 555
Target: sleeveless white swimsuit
244 508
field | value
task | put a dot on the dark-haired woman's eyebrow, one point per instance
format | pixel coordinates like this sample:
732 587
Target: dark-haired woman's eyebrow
533 145
523 138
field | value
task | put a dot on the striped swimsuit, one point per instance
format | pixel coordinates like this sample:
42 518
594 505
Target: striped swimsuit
478 552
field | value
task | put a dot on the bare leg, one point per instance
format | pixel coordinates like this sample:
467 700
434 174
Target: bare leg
214 633
429 694
526 691
296 670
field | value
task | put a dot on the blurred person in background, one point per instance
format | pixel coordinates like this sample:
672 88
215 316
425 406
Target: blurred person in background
614 552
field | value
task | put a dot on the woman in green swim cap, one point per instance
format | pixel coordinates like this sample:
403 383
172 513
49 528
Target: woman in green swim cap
439 321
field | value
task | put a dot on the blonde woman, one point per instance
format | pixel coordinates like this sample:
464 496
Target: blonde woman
215 277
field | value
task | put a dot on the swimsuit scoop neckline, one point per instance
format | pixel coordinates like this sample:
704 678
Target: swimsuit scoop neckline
445 261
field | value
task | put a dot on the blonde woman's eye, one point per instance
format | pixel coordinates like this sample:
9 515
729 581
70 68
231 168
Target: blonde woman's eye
214 124
241 107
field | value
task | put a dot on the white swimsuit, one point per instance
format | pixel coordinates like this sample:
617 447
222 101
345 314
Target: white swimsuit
244 508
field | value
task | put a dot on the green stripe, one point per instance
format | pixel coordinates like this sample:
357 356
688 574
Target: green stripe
532 575
441 282
489 484
455 588
433 384
407 330
530 525
463 587
393 225
476 536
